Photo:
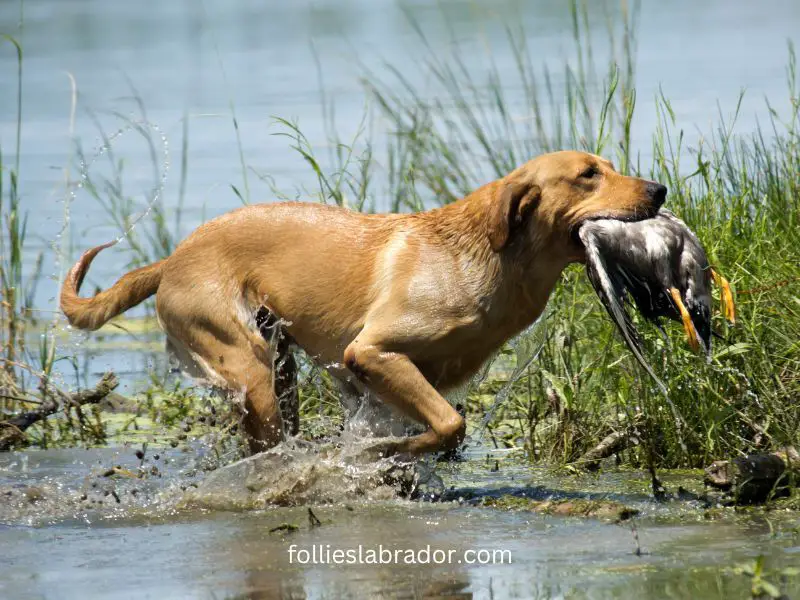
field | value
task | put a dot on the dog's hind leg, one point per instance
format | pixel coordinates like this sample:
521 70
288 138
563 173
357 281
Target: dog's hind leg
236 358
284 368
286 388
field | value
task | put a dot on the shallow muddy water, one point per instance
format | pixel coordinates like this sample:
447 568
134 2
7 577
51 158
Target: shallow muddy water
57 545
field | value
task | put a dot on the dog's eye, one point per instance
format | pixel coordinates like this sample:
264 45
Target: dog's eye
589 172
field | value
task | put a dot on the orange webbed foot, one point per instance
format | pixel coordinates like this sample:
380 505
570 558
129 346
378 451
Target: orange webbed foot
726 297
691 333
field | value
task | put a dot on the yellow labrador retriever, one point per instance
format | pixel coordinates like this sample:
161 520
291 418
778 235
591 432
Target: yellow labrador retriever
409 305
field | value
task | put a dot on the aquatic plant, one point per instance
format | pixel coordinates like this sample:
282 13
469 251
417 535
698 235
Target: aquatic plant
28 394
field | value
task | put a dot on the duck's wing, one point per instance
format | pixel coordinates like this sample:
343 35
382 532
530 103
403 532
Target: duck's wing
610 287
648 297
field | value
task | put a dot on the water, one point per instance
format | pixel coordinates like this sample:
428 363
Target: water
59 547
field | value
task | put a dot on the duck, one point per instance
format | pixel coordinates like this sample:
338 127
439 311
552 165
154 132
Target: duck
661 265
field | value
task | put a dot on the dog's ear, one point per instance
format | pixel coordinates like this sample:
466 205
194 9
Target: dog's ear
511 205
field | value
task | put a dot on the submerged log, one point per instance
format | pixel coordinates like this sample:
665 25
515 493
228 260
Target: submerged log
12 430
755 478
613 443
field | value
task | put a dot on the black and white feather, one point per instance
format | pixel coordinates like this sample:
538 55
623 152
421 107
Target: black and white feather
657 263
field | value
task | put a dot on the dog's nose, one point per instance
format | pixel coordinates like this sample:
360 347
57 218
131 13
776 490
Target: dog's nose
657 193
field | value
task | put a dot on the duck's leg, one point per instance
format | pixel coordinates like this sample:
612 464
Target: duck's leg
688 326
726 297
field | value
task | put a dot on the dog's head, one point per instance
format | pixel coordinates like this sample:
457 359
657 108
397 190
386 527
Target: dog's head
547 199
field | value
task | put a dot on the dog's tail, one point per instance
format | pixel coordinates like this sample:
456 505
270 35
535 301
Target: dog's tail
130 290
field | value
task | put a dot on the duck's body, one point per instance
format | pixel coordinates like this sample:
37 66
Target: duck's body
662 265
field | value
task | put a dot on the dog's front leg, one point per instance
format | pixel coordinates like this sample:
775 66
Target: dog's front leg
396 380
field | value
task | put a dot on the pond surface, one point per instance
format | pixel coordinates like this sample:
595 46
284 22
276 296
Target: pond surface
56 546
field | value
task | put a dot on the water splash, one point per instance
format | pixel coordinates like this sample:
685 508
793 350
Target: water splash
297 473
161 162
527 348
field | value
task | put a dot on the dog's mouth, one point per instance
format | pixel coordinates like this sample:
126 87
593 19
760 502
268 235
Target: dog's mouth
626 217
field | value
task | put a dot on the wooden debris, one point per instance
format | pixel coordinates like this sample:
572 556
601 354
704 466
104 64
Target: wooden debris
755 478
614 442
12 430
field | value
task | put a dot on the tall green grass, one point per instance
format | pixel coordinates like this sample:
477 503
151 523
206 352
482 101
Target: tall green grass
17 287
12 240
26 376
740 196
